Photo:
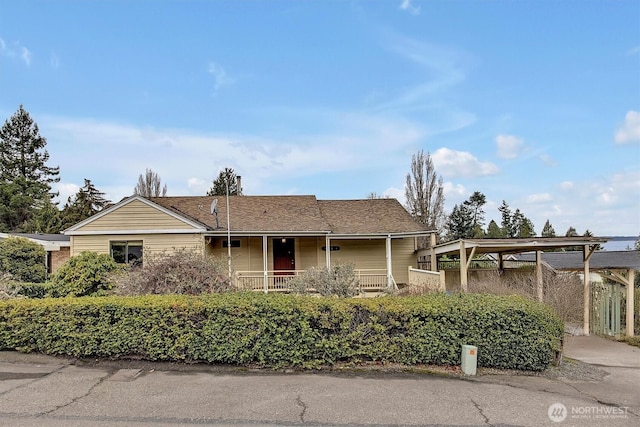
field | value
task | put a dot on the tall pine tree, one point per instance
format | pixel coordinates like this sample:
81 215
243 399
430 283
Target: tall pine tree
25 178
219 186
86 202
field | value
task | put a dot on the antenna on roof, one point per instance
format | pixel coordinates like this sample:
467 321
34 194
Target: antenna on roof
214 211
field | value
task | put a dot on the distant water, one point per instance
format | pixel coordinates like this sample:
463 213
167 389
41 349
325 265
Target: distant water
620 243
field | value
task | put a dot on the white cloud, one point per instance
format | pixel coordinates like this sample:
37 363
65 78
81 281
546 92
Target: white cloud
197 185
395 193
509 146
461 164
452 190
188 161
65 191
539 198
634 51
220 77
25 54
567 185
629 131
15 50
408 6
547 160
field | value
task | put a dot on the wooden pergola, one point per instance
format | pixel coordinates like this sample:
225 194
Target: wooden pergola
467 249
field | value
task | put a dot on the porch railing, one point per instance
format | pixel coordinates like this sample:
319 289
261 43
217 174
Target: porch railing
277 281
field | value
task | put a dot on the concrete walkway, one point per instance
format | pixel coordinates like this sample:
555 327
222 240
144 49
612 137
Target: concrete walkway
600 351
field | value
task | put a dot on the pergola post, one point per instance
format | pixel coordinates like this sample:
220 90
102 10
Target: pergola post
464 280
539 288
432 246
630 303
587 251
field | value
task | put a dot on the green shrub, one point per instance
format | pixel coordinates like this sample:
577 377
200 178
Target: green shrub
287 330
89 273
183 271
23 259
11 288
340 280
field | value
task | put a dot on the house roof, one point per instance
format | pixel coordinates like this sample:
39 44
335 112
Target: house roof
251 213
291 214
369 216
600 260
49 241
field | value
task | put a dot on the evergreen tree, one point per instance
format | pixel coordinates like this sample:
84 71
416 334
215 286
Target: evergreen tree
150 185
506 224
87 202
25 178
588 233
494 231
571 232
475 203
521 225
547 230
460 223
219 187
47 218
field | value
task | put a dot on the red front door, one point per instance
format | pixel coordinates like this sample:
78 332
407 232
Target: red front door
284 256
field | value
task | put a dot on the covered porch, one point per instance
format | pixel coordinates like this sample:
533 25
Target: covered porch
267 261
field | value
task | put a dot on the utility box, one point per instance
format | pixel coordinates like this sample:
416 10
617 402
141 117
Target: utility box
469 359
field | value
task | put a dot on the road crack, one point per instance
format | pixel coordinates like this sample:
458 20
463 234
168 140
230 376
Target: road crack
486 419
303 405
77 398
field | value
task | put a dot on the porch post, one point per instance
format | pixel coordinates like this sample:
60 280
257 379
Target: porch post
265 261
464 280
539 276
630 303
327 255
389 263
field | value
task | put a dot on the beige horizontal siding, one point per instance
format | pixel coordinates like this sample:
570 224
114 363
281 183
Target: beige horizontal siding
154 243
402 256
364 254
135 216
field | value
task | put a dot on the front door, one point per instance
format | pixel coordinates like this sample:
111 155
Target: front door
284 256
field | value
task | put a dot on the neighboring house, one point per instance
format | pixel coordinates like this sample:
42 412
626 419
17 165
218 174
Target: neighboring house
57 246
271 237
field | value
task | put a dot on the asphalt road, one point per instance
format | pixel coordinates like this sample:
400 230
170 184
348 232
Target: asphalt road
43 391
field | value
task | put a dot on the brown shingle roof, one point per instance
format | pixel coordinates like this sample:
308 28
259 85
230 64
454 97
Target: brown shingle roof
251 213
296 214
368 216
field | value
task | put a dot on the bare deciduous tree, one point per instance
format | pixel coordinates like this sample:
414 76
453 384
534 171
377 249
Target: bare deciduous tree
424 192
149 185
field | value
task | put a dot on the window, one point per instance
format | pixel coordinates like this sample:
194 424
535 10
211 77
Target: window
234 244
127 252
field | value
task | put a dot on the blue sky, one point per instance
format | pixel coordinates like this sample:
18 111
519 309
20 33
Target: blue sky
532 102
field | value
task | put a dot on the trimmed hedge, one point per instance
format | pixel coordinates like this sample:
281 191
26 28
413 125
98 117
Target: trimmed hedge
287 330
